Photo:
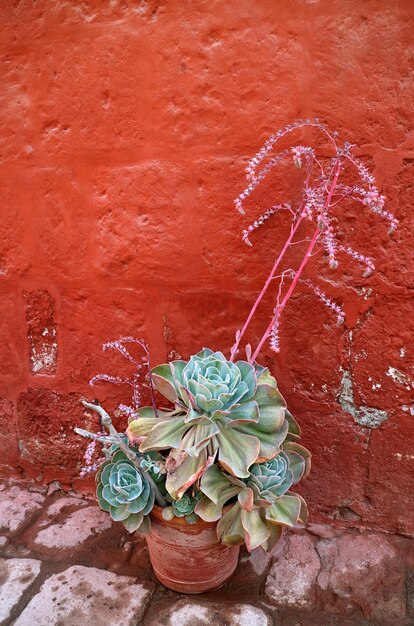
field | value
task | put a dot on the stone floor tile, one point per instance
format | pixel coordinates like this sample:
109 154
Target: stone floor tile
291 581
18 508
86 596
60 504
16 576
74 530
363 572
192 612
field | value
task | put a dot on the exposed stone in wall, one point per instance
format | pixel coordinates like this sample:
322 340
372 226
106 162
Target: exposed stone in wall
9 442
42 332
46 420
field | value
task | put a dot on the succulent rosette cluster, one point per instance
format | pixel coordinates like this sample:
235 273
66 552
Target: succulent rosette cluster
264 503
228 412
226 451
124 492
184 507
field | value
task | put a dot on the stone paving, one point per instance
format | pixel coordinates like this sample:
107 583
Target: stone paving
64 563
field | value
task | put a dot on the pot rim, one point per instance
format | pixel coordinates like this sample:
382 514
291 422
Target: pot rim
179 522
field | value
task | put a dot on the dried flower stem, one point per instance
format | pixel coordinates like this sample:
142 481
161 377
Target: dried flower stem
132 456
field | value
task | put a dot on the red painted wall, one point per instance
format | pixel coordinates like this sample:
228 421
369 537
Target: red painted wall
124 131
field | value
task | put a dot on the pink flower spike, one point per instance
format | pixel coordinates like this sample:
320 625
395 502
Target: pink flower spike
340 314
364 260
274 337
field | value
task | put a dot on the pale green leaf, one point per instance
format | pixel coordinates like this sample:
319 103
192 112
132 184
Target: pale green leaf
256 531
213 482
167 433
302 451
230 530
245 498
185 474
133 522
237 451
285 510
276 532
163 380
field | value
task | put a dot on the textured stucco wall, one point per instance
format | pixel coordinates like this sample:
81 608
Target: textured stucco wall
124 130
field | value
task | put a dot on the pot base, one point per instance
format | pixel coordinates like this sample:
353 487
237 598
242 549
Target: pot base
192 588
188 557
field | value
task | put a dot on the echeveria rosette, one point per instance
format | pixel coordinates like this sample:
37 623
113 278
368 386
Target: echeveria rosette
264 503
183 508
231 410
123 491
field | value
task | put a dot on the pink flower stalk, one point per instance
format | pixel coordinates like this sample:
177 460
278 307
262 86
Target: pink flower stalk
261 220
91 469
128 410
257 179
339 312
298 152
274 337
364 260
89 453
323 192
115 380
135 380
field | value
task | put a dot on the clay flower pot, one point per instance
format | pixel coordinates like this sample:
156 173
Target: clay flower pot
188 557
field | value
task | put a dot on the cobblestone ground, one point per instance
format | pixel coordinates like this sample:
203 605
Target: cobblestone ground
64 563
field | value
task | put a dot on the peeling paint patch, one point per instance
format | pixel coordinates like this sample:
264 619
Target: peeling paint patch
360 355
43 358
400 378
408 409
370 417
404 457
402 352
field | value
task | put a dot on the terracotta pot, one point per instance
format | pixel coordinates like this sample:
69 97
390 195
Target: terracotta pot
188 557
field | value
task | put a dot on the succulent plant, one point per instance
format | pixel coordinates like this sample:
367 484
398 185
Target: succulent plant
264 503
183 508
123 491
230 410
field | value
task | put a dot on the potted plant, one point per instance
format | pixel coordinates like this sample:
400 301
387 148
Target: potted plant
213 465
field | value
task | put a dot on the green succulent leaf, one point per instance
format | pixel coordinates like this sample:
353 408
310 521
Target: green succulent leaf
294 428
292 446
168 513
237 451
187 471
163 380
230 529
133 522
165 434
119 513
256 531
269 442
276 532
213 482
286 510
144 527
303 515
247 412
246 499
297 465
